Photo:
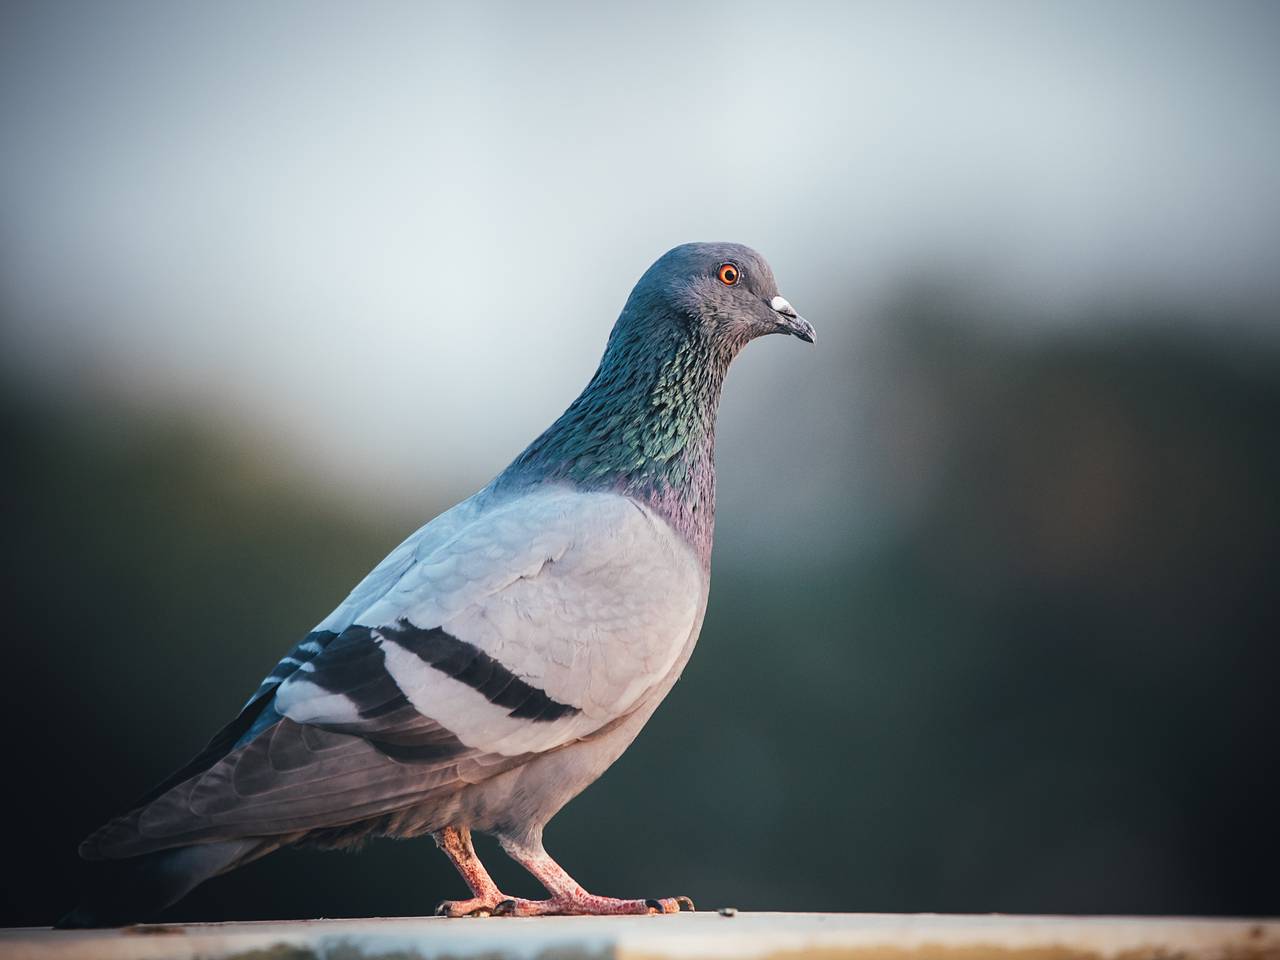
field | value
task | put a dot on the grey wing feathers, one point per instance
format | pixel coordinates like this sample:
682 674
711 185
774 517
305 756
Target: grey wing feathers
257 713
483 640
374 584
292 778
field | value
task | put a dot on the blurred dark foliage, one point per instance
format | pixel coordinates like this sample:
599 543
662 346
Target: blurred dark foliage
1048 687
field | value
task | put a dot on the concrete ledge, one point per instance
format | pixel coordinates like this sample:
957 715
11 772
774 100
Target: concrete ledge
701 936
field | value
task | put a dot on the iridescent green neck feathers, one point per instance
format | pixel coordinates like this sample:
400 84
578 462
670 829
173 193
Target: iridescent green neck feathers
645 424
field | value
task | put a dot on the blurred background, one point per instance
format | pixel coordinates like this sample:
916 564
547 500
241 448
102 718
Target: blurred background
994 616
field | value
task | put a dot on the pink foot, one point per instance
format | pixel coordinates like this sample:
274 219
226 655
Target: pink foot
588 904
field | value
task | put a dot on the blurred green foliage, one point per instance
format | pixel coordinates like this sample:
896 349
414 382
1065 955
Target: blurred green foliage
1048 685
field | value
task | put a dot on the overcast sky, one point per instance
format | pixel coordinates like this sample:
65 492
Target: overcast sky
398 233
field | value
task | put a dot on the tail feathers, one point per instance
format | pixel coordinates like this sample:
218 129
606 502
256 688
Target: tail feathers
128 891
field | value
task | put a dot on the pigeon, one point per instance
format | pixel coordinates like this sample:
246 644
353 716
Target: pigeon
504 655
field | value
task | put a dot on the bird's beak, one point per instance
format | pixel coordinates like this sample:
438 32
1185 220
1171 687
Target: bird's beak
791 322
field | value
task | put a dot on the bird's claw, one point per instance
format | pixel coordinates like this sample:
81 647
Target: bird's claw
463 908
588 904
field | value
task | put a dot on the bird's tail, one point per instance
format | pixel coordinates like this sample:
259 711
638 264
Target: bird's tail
127 891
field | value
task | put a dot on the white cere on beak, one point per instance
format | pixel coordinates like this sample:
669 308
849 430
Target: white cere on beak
794 324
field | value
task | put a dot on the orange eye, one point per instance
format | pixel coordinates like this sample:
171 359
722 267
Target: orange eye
728 274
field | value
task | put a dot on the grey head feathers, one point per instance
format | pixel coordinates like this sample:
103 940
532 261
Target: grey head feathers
645 424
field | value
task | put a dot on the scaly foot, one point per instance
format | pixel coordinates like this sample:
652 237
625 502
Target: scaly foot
588 904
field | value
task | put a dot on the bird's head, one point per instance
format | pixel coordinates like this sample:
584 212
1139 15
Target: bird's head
645 423
724 291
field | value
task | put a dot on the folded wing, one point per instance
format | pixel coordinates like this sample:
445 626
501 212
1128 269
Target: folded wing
523 627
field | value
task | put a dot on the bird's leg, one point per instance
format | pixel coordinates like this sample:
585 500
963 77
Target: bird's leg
456 844
567 895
